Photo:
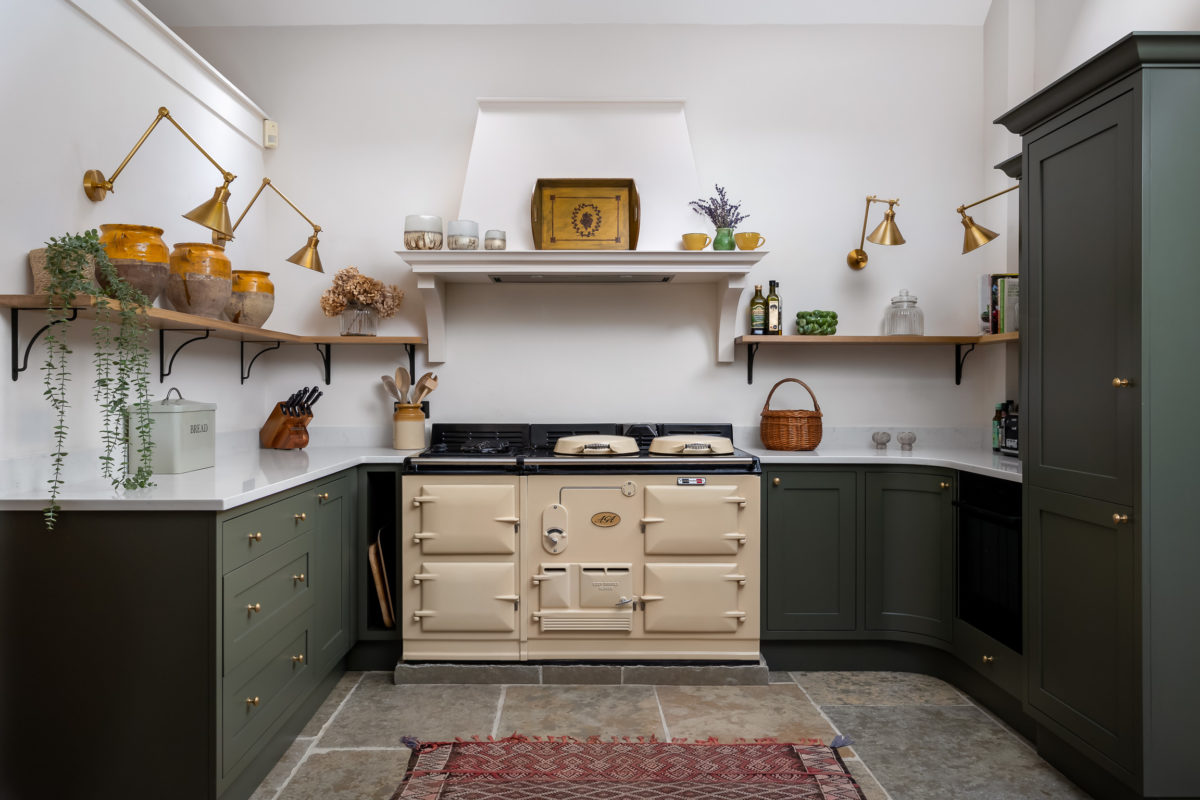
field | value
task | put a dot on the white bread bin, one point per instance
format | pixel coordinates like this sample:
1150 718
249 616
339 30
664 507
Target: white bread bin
184 434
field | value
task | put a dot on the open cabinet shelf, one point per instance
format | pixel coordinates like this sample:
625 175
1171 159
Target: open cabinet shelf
752 343
164 320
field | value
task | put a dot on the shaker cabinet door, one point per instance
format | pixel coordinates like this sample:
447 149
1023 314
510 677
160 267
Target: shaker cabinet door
1082 299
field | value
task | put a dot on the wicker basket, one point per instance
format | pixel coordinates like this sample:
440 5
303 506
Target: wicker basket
791 430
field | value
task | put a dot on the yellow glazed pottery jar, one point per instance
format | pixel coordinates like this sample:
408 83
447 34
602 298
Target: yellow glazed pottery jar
408 427
139 256
201 279
253 298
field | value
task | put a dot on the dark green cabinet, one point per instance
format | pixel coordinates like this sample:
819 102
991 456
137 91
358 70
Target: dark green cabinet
1081 579
1108 341
333 587
909 526
811 554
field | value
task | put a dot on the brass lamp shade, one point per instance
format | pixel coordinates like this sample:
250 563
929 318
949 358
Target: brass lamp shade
213 213
975 235
887 232
307 256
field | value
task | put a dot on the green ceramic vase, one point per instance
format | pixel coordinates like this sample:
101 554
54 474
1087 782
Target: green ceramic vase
724 239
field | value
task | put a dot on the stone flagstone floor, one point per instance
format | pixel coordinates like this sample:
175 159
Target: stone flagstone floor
916 737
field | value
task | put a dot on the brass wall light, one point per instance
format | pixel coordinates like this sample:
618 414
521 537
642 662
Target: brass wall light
977 235
306 256
212 214
885 233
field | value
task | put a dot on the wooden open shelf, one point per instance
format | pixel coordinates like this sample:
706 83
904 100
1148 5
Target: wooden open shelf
162 320
753 342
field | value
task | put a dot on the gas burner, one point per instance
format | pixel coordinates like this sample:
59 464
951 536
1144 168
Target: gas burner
484 446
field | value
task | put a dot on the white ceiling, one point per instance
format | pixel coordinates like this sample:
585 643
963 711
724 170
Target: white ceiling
271 13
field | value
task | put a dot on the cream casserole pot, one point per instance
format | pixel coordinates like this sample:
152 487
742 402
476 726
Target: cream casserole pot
184 433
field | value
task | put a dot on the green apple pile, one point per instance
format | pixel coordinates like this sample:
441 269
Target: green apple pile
816 323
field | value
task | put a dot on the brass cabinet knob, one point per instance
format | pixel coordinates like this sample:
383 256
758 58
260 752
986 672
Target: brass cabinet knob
300 517
323 496
1120 519
944 485
254 537
254 608
298 659
777 481
1120 383
251 701
298 578
988 659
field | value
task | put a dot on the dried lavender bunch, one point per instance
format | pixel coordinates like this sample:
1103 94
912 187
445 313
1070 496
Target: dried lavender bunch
719 210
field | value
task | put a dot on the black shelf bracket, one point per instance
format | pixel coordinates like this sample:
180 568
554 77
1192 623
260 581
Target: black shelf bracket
247 367
17 370
751 349
959 358
411 349
164 366
324 349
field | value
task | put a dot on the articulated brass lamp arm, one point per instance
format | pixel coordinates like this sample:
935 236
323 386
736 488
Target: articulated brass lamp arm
885 233
306 256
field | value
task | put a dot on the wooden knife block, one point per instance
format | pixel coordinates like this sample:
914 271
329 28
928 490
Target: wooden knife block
281 432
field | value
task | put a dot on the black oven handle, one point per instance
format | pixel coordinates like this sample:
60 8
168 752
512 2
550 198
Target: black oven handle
1003 519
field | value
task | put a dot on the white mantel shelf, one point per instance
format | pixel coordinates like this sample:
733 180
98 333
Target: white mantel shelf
726 269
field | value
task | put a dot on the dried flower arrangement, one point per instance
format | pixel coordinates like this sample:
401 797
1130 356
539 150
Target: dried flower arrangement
719 210
353 289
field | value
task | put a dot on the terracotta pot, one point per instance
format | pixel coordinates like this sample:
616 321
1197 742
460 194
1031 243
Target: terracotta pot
139 255
201 279
253 298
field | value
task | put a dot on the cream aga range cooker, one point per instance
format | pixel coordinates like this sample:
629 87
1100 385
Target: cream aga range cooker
580 542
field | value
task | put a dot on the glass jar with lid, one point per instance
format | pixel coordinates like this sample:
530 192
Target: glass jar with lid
904 318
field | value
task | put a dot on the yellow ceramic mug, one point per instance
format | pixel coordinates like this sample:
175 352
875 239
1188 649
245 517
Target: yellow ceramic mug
748 241
695 241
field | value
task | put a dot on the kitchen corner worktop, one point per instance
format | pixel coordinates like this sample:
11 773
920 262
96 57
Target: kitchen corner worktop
244 473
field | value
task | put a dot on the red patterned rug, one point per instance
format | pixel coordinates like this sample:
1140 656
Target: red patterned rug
562 768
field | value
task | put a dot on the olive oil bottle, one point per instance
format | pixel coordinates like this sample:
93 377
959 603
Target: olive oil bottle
758 312
774 311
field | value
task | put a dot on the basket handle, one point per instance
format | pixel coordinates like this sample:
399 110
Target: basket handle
816 405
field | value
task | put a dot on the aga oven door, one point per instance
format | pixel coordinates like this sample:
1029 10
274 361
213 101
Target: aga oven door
692 519
693 598
460 593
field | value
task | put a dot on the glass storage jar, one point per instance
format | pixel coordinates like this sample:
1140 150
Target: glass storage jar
904 318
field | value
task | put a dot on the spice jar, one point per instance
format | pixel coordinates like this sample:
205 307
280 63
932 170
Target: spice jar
408 427
904 318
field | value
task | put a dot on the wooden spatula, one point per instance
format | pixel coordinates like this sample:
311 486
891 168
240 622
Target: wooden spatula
403 381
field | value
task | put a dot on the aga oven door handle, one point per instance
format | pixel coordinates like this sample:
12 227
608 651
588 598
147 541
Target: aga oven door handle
424 576
740 537
740 616
647 520
425 498
509 520
741 579
646 597
741 501
419 537
422 613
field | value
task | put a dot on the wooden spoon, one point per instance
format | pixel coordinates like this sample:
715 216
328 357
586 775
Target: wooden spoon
403 381
391 386
425 384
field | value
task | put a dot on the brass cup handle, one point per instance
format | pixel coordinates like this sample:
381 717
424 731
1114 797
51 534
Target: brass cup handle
298 659
944 485
1120 383
298 578
300 517
776 481
988 659
253 608
251 701
254 537
1120 519
323 496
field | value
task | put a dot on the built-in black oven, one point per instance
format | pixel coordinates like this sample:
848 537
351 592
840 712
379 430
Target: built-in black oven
989 557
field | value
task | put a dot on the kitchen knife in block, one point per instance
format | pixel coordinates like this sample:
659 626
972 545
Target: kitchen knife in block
283 432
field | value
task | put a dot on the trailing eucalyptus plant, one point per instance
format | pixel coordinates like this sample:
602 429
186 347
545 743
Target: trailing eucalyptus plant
121 360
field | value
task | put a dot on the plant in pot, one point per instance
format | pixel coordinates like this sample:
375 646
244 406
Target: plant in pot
724 215
121 360
360 301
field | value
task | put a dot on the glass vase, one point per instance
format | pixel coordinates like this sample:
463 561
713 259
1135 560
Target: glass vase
359 321
724 239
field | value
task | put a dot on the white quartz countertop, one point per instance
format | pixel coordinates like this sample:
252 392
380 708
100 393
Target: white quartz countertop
244 473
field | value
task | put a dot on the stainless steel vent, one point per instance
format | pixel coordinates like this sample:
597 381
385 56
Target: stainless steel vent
536 277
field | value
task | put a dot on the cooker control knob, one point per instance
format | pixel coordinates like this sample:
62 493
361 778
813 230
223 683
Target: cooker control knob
629 488
554 528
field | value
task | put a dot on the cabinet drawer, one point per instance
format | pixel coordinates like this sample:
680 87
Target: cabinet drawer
262 597
999 664
250 535
275 677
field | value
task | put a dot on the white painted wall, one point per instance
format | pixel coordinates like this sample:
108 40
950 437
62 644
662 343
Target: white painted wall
798 123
